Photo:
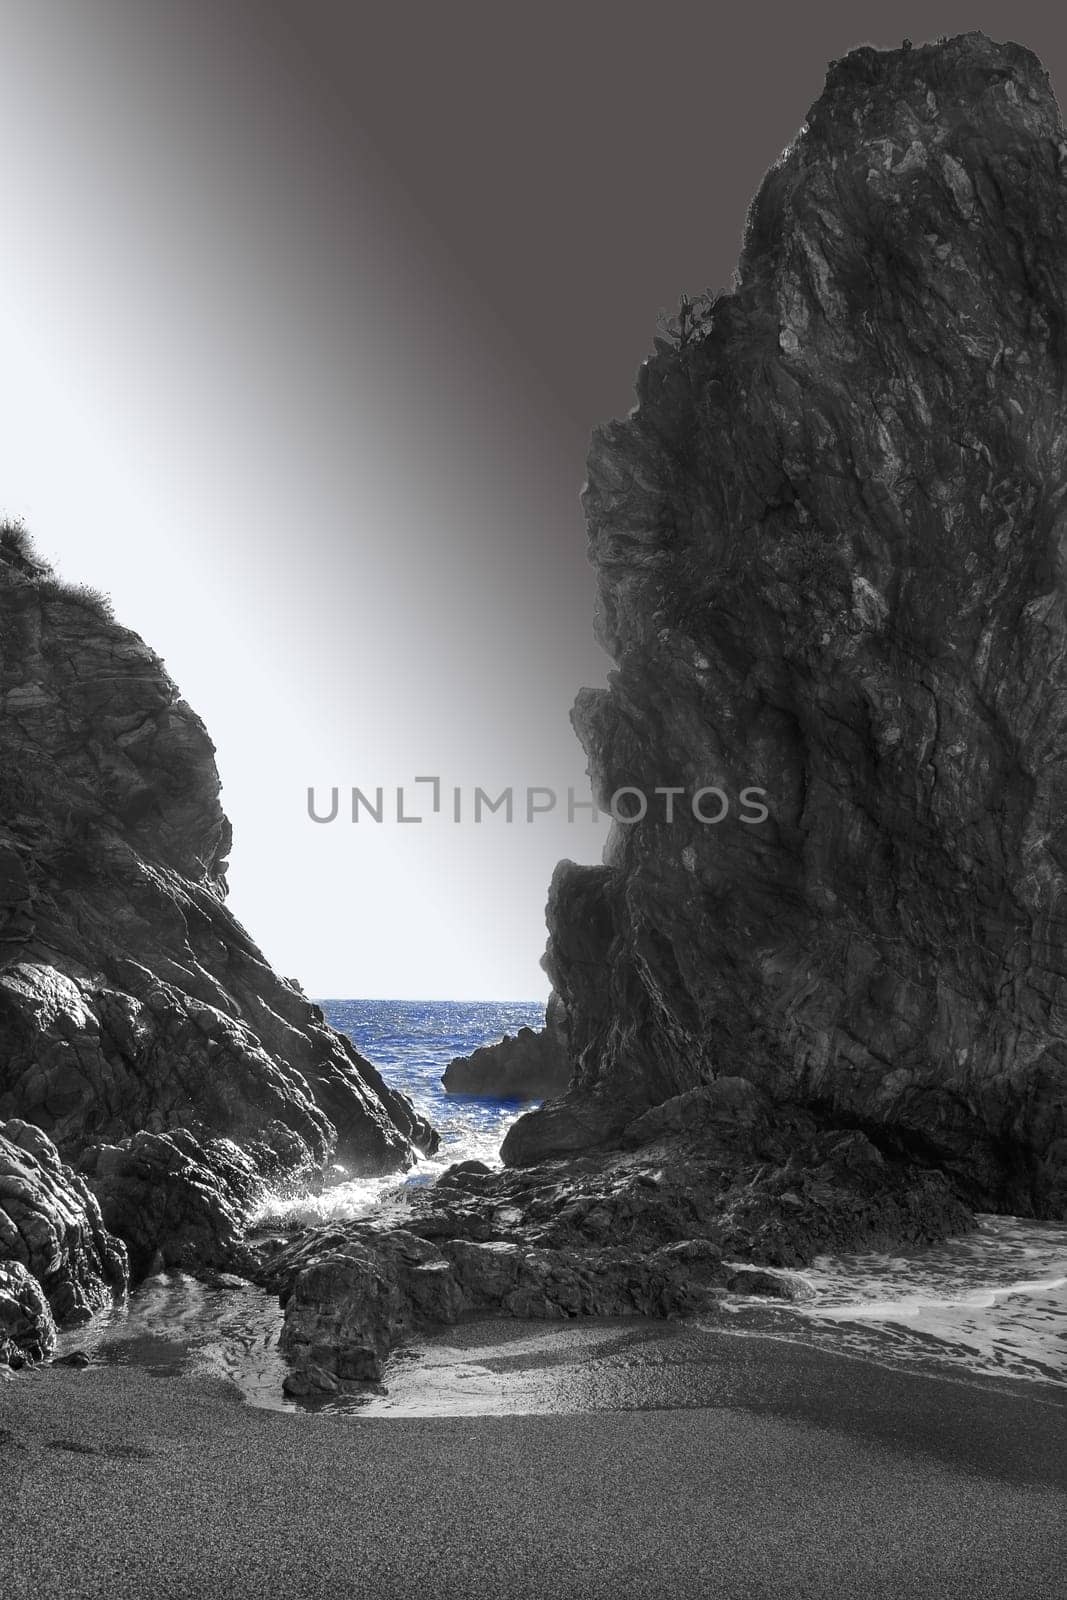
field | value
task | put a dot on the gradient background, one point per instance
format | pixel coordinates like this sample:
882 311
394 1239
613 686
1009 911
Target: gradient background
307 312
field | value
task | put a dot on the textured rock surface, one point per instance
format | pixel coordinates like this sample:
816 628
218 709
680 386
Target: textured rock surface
132 1004
534 1065
830 547
722 1179
58 1262
27 1327
176 1200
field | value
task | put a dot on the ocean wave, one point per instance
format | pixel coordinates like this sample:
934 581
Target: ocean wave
993 1302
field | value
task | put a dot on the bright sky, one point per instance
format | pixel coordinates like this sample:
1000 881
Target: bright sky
304 334
251 398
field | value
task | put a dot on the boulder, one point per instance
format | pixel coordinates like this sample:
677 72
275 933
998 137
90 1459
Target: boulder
660 1231
348 1303
177 1201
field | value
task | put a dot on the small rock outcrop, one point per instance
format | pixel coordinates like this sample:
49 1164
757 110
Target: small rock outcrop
140 1027
532 1065
830 549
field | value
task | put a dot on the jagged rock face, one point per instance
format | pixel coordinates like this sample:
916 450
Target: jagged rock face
830 546
532 1065
131 1001
176 1200
346 1310
656 1230
58 1262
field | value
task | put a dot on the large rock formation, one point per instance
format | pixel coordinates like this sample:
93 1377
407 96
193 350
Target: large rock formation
830 543
532 1065
140 1027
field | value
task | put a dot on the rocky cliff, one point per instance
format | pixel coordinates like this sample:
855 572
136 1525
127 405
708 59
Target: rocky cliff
140 1027
830 545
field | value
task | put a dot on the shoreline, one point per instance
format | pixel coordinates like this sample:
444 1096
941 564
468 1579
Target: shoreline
786 1472
599 1363
966 1308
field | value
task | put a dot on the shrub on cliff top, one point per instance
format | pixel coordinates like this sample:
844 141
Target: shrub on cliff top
19 560
15 543
78 594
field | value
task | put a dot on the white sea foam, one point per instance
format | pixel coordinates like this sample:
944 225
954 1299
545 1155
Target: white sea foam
916 1305
359 1197
994 1302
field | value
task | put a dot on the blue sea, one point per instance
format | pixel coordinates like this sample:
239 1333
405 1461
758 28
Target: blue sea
411 1043
992 1303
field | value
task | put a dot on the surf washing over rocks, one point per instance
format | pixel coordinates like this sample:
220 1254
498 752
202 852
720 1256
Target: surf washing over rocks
992 1303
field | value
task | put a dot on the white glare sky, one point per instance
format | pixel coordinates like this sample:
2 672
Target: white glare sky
248 394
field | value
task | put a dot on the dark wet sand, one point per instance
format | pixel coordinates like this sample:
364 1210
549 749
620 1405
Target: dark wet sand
783 1472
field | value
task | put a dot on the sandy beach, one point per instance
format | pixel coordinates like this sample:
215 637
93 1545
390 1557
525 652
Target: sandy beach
761 1469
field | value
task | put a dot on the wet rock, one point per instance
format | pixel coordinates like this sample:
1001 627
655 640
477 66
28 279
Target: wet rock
751 1280
309 1381
608 1234
727 1109
464 1174
27 1328
51 1229
828 551
74 1358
